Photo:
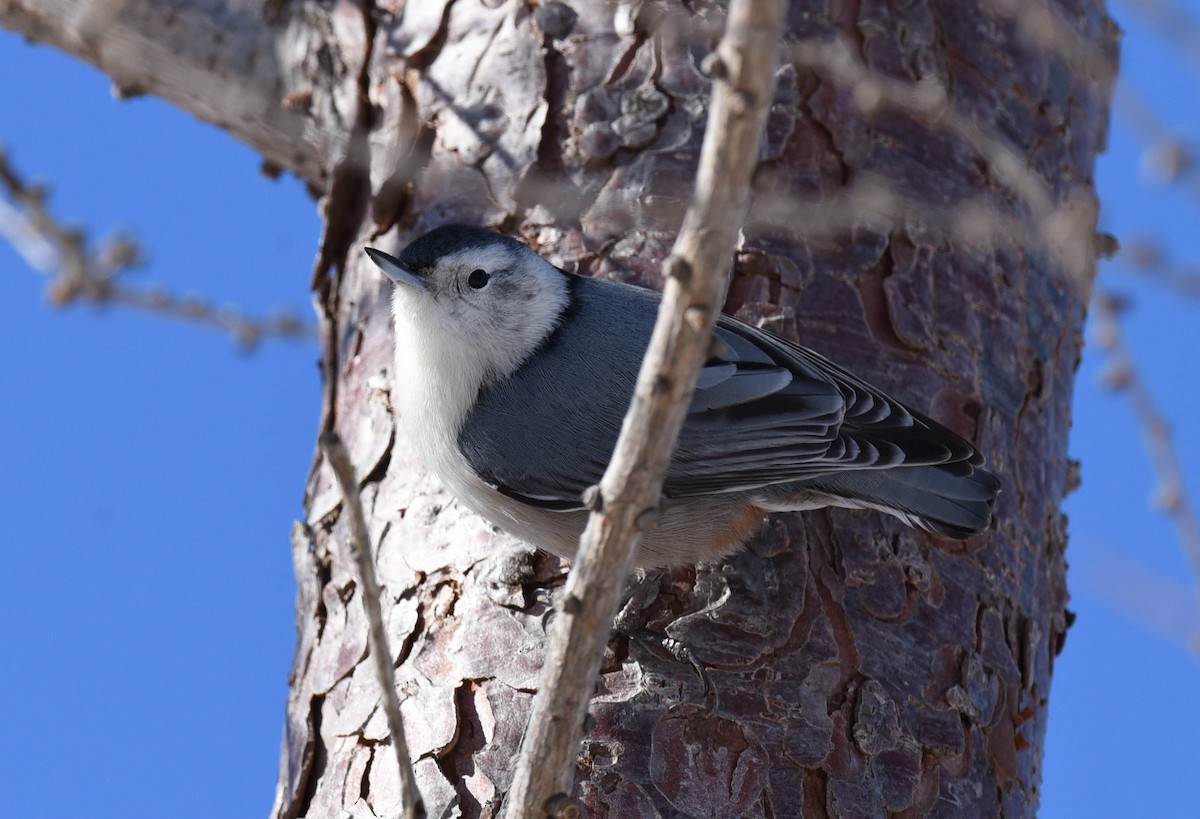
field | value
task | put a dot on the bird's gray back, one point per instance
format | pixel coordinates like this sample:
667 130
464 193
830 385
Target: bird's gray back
760 413
546 432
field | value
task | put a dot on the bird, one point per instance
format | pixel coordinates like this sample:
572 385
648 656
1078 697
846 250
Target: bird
512 378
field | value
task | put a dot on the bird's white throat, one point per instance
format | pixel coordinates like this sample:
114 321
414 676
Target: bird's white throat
437 379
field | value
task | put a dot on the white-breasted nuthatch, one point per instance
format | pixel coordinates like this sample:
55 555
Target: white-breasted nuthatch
513 377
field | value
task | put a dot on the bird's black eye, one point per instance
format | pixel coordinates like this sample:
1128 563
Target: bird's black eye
478 279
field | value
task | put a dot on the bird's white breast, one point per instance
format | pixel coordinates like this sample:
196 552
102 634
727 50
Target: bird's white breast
436 383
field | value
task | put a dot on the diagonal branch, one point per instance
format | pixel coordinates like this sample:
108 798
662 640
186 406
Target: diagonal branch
1123 376
230 62
81 272
1064 227
743 69
1146 259
381 654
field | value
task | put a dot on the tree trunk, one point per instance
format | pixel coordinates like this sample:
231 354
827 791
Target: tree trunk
858 668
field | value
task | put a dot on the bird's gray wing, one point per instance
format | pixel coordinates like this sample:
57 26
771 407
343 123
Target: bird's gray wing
818 419
764 411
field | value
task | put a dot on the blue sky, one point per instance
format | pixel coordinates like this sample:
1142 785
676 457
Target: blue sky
152 471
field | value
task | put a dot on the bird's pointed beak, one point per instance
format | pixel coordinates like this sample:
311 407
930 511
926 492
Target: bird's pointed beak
395 271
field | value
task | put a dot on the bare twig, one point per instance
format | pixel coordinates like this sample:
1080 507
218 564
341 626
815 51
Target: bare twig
1157 601
1045 26
743 69
1168 158
1064 228
1174 24
1146 259
1123 376
381 654
79 273
1061 222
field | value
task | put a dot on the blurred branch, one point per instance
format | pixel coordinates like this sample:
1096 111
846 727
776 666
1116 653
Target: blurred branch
1065 228
1175 25
83 274
1123 376
381 654
1046 28
1159 602
1146 259
1061 222
1168 158
1064 225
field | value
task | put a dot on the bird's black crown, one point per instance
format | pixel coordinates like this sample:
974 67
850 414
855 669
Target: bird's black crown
425 251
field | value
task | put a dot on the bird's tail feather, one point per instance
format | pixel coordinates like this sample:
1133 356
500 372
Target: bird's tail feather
935 498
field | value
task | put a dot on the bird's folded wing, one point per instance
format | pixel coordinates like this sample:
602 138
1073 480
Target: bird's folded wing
821 420
764 412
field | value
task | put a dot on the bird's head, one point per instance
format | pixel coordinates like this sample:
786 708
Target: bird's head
473 298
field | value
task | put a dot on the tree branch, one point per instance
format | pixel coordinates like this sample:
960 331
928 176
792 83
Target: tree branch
1065 228
1123 376
83 273
381 653
215 59
743 69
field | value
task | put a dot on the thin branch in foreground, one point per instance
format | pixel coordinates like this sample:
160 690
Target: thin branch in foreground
1174 24
1062 222
1045 25
1168 157
381 653
1153 599
1146 259
743 69
83 274
1066 229
1123 377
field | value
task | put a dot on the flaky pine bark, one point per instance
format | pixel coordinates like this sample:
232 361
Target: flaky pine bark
858 668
